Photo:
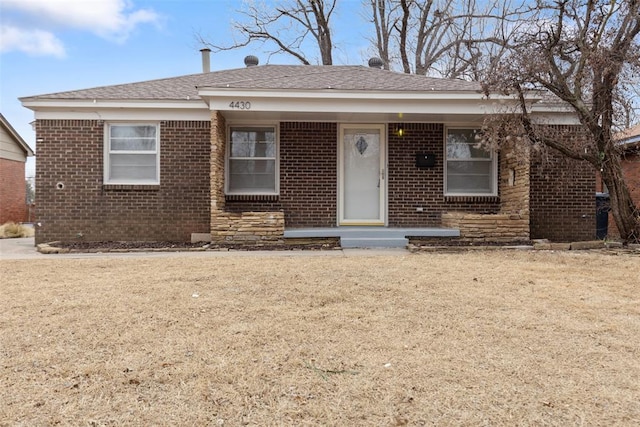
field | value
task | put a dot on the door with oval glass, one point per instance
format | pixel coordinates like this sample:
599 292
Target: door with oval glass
362 174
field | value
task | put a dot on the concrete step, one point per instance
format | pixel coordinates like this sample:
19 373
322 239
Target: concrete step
374 242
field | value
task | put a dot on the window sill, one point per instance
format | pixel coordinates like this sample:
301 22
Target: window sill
252 197
131 187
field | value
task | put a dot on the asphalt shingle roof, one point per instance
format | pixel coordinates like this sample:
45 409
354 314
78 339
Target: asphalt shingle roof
273 77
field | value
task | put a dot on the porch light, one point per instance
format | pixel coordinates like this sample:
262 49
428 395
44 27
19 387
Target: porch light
400 130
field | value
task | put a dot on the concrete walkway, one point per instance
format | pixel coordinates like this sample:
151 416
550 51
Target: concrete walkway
24 248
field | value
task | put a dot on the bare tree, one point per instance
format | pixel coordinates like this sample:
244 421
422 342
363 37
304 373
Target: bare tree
384 19
286 27
447 38
585 54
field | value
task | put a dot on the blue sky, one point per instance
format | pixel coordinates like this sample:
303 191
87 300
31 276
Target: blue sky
57 45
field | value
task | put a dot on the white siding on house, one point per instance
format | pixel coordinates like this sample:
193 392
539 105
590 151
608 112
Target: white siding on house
9 148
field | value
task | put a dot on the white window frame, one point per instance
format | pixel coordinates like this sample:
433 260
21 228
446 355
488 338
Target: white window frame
276 158
108 152
494 166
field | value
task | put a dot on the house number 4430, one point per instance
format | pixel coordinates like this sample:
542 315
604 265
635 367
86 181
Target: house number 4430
240 105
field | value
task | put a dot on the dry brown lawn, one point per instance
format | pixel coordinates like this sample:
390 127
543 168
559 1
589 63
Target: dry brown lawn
486 338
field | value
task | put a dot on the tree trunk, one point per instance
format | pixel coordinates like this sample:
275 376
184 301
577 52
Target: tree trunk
406 13
625 213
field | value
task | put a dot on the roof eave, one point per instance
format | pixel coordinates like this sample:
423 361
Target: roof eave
38 103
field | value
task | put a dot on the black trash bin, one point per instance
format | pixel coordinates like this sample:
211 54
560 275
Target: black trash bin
602 215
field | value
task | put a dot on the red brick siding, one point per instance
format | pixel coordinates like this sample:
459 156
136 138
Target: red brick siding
71 152
309 174
13 194
411 187
562 198
631 172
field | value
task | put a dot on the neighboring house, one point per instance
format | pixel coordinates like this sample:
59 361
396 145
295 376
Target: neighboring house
630 142
13 191
267 153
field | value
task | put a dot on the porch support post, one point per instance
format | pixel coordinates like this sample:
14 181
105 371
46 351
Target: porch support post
218 149
515 165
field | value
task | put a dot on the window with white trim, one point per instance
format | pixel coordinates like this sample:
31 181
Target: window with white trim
252 166
132 154
470 169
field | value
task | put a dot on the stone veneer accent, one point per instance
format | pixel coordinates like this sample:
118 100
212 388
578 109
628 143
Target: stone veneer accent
238 227
511 224
499 228
247 226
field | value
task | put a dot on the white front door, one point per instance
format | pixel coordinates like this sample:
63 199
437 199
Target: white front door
362 175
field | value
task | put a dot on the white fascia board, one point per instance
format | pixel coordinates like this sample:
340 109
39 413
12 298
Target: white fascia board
555 119
551 108
118 110
353 102
59 104
123 114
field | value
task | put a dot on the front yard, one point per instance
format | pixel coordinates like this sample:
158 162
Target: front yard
478 338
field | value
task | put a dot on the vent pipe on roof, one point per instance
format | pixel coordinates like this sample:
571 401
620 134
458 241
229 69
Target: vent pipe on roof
206 61
251 61
376 63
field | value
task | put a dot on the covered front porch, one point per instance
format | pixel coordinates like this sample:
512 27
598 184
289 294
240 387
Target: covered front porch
343 167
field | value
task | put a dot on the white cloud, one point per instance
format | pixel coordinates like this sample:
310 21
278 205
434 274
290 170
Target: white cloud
33 42
110 19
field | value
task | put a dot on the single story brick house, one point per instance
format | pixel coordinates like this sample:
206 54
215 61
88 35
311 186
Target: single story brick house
275 153
13 191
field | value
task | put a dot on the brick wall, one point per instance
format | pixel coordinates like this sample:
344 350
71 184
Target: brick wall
71 153
411 187
309 174
631 171
13 202
562 198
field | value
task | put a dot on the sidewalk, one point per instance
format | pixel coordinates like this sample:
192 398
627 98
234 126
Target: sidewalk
24 248
21 248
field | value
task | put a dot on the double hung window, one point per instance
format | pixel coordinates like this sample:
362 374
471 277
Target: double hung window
132 154
252 166
470 169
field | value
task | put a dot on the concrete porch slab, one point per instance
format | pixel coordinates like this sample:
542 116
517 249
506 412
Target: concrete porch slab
370 237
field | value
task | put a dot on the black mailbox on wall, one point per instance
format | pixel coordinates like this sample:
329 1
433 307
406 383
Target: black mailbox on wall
425 160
